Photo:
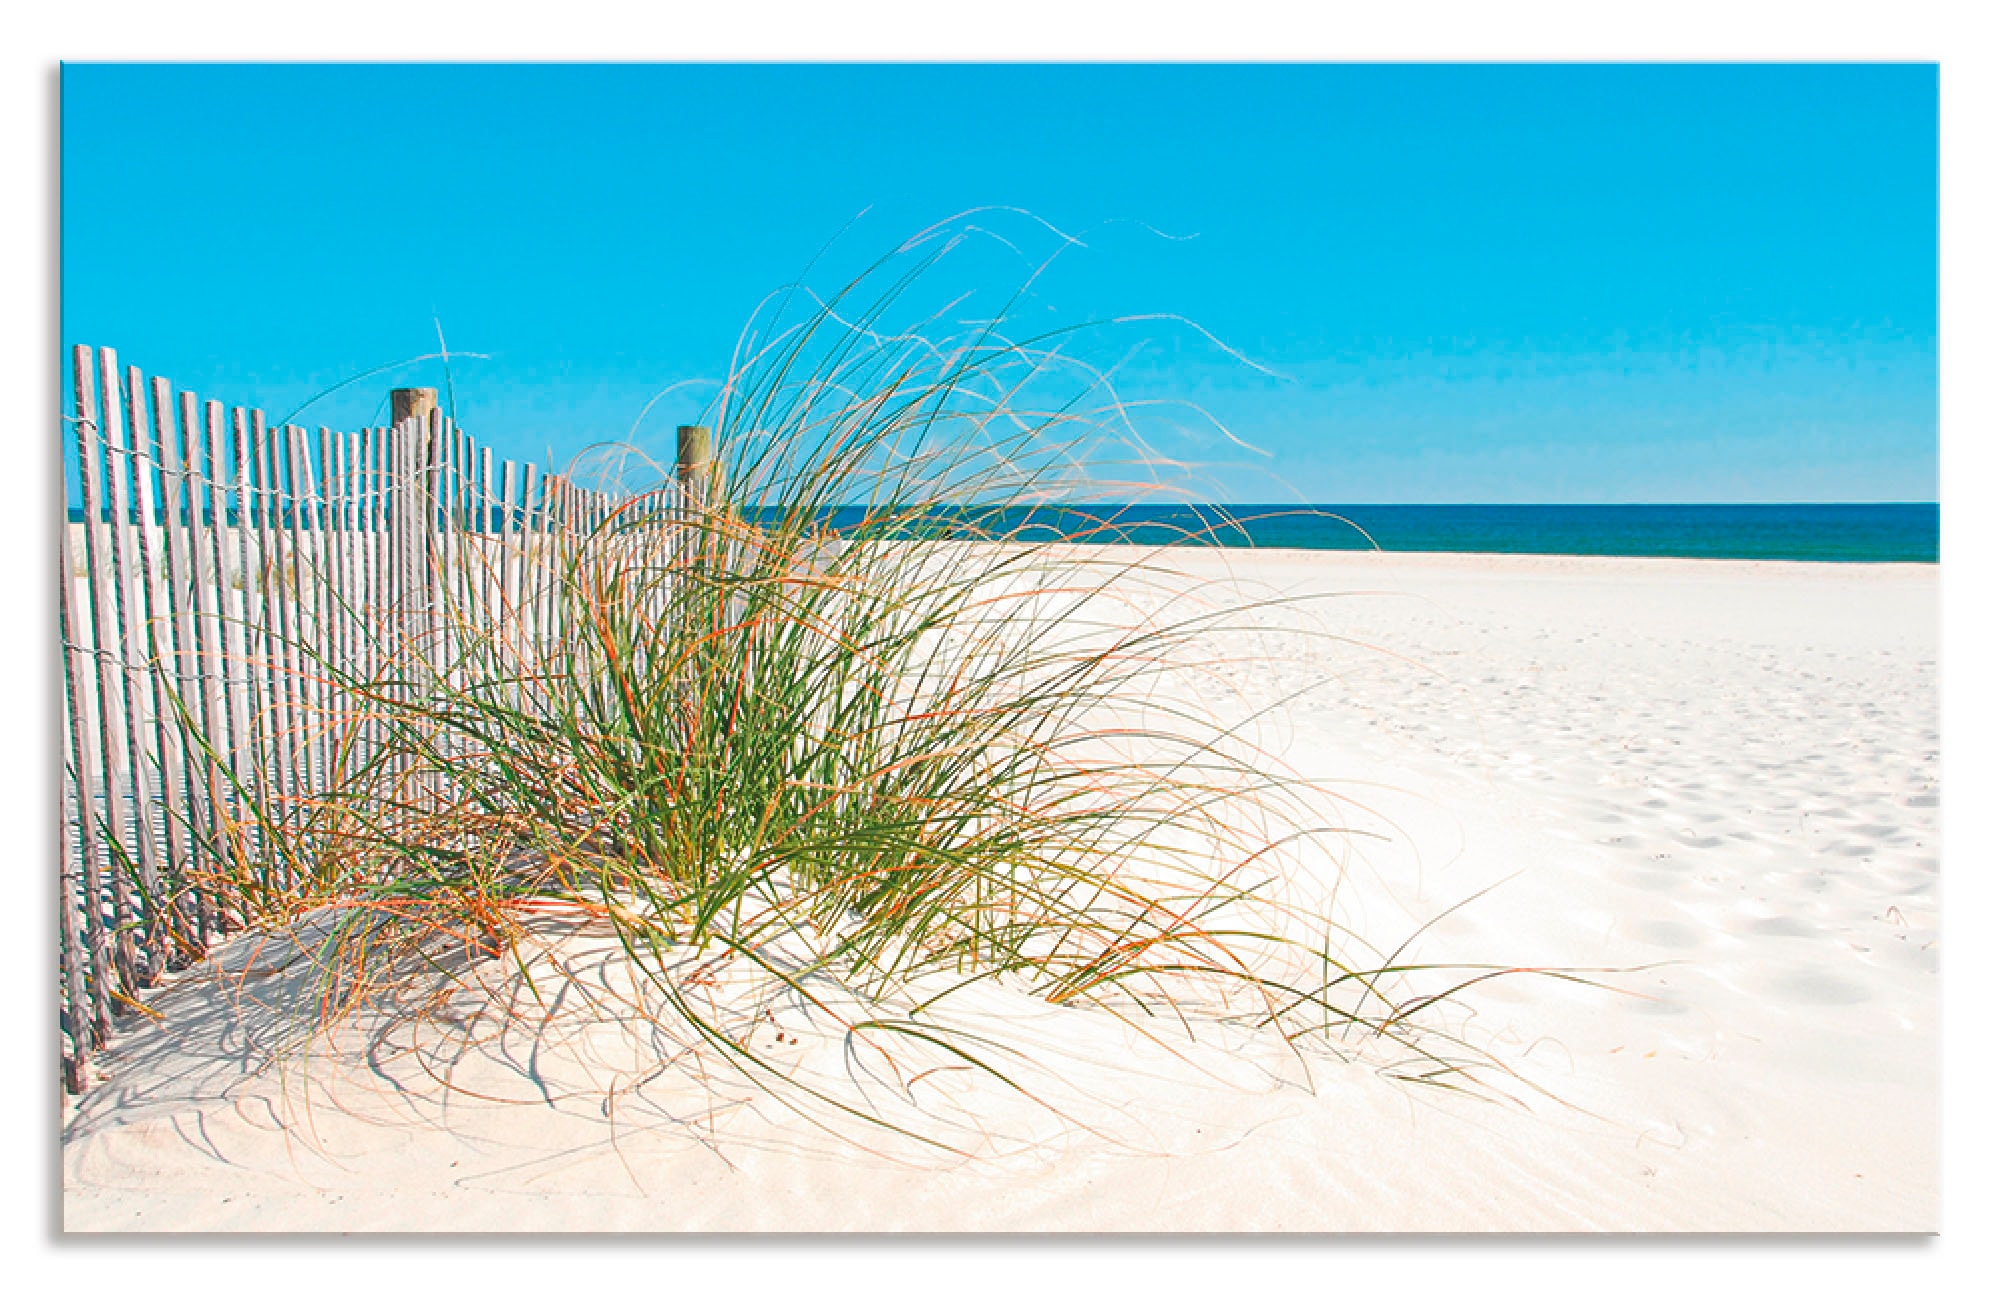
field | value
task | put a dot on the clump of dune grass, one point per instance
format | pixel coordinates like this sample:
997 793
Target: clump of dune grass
852 725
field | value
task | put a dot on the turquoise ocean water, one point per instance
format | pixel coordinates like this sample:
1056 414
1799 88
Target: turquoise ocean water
1789 532
1793 532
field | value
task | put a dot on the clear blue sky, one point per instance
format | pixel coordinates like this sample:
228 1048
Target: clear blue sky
1478 283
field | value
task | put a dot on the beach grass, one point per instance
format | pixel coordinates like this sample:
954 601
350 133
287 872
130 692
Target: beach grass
858 769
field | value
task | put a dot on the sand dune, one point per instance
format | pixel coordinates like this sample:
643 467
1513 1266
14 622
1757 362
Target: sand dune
1720 778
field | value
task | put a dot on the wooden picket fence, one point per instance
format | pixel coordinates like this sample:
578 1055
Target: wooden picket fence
222 569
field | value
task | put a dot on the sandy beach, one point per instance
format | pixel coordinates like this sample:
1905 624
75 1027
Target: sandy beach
1715 780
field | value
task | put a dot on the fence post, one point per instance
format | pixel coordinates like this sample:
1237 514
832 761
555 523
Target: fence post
410 413
407 403
695 470
696 460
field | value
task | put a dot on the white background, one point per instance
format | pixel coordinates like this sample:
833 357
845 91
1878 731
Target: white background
38 1258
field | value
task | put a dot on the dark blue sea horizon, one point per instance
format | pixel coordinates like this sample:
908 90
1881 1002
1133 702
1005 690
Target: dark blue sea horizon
1850 533
1783 532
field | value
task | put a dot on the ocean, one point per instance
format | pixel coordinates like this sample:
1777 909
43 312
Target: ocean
1791 532
1906 533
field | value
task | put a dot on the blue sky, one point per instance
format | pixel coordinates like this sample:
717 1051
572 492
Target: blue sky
1478 283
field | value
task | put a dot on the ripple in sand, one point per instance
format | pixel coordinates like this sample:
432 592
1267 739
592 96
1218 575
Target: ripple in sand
1667 935
1819 988
1908 954
1783 925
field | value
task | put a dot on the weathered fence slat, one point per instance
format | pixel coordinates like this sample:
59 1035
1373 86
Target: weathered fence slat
492 543
252 669
81 918
511 540
465 536
106 645
330 577
165 931
435 536
277 608
227 732
235 597
184 580
299 527
139 915
374 559
73 1013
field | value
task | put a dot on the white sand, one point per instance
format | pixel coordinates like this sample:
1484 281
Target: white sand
1725 769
